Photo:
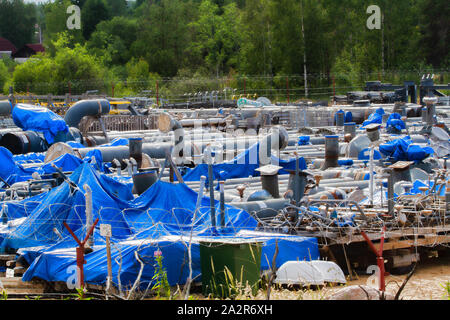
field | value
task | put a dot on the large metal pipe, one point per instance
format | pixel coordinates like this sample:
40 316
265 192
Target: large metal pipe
331 152
431 109
22 142
262 209
135 150
144 180
276 140
5 108
167 123
82 108
350 128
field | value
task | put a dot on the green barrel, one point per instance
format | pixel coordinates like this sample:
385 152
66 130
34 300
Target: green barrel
228 267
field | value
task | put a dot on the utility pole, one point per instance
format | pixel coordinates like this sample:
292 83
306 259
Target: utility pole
382 43
304 55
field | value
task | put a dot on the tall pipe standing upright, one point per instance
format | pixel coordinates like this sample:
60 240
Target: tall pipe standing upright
390 195
89 214
331 152
222 203
167 123
431 109
350 128
135 147
209 161
276 140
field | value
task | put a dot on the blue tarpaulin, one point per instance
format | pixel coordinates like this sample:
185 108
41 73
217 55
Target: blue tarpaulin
12 171
242 166
40 119
394 123
160 219
304 140
402 149
374 117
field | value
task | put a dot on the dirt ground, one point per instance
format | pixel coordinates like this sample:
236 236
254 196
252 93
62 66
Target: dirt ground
425 284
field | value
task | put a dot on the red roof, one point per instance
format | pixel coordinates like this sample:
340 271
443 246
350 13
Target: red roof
6 45
37 47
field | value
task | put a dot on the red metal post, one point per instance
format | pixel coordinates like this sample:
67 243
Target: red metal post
80 250
334 86
287 88
157 94
379 254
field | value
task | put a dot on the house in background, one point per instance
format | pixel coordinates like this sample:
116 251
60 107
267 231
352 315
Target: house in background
27 51
7 49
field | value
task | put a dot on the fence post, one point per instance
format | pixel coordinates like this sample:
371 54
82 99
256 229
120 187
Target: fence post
112 89
287 88
334 86
157 93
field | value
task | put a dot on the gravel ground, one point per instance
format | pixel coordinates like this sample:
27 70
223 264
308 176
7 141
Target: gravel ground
425 284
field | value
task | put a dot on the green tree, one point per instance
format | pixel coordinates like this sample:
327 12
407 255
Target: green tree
93 12
217 36
112 39
56 23
117 7
163 35
17 21
256 53
4 75
435 28
46 74
138 75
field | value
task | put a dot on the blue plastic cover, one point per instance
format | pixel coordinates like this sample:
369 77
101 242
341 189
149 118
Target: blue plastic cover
365 154
242 166
40 119
12 171
375 117
336 114
348 116
74 144
162 218
116 142
304 140
402 149
394 121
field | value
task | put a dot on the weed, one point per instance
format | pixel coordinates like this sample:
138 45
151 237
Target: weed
161 286
446 287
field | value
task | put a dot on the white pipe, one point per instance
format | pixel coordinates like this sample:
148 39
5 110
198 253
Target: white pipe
89 216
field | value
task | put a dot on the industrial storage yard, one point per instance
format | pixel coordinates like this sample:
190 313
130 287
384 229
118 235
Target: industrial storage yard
224 157
116 198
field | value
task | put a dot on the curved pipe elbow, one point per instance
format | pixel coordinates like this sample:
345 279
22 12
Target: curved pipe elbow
82 108
167 123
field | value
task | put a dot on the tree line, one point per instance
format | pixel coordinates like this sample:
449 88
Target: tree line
128 46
